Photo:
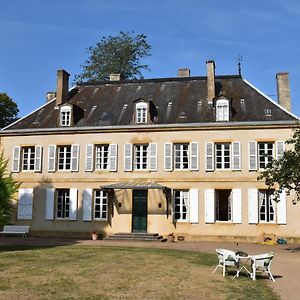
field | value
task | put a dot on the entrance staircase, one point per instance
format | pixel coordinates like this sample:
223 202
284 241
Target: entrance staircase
135 236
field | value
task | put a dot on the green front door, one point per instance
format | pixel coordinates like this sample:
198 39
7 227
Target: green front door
139 211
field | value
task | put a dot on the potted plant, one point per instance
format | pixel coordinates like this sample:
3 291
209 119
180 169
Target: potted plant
171 237
94 235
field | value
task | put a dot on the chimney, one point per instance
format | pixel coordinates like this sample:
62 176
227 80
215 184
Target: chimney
183 72
283 90
210 64
50 96
62 87
114 77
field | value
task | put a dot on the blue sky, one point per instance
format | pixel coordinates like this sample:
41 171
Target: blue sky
38 37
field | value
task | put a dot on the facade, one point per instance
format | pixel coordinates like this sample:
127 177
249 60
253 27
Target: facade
172 155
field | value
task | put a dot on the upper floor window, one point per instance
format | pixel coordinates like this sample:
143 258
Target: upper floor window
223 155
28 158
102 156
64 158
181 156
65 116
265 154
141 112
222 110
141 157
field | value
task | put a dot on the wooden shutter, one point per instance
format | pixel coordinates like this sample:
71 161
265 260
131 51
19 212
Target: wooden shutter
75 158
128 157
168 156
16 159
209 206
252 156
38 158
281 209
236 206
194 205
87 204
73 204
253 206
52 158
113 157
25 204
209 156
50 204
236 156
280 147
89 158
152 157
194 160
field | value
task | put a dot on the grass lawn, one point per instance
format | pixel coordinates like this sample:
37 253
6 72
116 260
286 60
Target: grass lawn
91 272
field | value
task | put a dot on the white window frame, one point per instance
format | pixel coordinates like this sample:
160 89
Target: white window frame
222 110
65 116
181 151
100 198
217 206
220 153
141 112
140 155
184 202
67 156
101 157
263 156
266 201
28 156
65 202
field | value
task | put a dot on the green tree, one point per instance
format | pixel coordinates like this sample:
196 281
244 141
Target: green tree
8 110
119 54
284 173
8 187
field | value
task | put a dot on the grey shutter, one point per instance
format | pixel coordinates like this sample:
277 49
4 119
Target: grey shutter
25 204
209 156
113 157
252 156
280 147
16 159
152 157
73 205
194 160
52 158
168 157
75 158
209 206
89 158
236 206
87 204
50 204
236 156
194 205
128 157
38 158
281 209
253 206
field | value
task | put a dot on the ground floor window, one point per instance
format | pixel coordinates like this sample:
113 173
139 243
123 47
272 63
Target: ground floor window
63 203
181 205
100 205
223 205
266 206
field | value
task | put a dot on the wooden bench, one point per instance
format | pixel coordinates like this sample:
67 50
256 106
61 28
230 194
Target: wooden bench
15 230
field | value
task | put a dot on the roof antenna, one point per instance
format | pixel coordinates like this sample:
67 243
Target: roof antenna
240 59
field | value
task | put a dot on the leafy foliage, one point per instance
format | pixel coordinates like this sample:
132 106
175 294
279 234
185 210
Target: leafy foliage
119 54
8 110
284 174
8 187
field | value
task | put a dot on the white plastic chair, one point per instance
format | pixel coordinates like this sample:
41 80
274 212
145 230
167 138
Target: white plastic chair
262 263
227 258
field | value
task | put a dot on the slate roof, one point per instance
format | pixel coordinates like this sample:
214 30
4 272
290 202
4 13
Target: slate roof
176 101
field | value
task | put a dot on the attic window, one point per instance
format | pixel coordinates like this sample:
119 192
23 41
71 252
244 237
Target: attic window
141 112
65 116
222 110
268 112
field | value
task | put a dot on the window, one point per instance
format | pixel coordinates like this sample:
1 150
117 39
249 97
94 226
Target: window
28 158
141 112
223 205
181 156
181 205
102 154
100 205
222 110
63 203
140 157
265 154
64 158
65 116
266 206
223 154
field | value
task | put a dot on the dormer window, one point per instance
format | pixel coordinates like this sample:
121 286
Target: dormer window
65 116
222 110
141 112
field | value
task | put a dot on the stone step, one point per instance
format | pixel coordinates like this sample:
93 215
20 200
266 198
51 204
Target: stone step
135 236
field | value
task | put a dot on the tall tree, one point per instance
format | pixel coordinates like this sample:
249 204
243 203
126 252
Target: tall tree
8 110
8 187
284 173
119 54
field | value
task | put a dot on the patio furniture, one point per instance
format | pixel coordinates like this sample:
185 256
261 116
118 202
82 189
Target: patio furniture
262 263
244 262
15 230
227 258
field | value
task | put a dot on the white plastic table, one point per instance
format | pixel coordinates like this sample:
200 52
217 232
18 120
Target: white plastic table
243 265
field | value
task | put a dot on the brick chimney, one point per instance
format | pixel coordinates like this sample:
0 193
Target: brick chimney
183 72
210 64
62 87
50 96
114 77
283 90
